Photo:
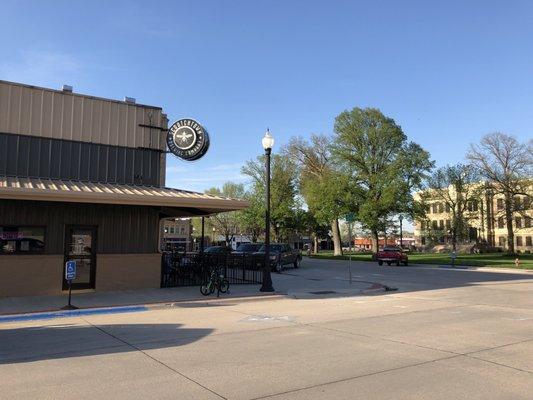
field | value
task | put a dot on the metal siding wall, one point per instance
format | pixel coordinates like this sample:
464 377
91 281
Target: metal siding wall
55 114
121 229
29 156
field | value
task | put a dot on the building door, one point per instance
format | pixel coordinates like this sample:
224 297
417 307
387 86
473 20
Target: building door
80 246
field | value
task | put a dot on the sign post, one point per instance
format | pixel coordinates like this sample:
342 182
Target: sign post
70 275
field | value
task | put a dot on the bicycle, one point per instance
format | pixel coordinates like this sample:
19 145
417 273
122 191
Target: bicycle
216 281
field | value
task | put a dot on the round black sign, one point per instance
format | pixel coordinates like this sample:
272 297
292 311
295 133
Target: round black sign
187 139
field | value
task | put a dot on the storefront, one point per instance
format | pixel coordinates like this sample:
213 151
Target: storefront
83 178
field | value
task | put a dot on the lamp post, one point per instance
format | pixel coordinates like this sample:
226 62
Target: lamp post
268 143
401 233
213 237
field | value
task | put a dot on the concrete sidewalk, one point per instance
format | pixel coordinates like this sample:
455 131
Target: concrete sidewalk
296 283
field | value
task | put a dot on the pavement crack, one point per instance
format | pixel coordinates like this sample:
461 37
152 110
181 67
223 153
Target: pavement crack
355 377
155 359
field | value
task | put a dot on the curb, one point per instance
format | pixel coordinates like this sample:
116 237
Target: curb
133 307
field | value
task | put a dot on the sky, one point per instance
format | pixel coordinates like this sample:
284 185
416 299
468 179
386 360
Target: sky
448 72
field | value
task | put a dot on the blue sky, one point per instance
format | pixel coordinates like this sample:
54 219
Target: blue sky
447 72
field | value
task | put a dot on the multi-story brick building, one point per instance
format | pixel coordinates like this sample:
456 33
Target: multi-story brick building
485 222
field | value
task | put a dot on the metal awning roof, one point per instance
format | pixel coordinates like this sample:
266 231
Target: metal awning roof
105 193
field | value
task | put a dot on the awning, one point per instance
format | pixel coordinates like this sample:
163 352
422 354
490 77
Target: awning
188 203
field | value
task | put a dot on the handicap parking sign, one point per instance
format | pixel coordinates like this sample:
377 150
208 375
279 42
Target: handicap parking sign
70 270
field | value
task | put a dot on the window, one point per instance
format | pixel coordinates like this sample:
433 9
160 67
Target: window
527 222
517 204
22 239
501 223
422 225
499 204
528 241
448 224
171 229
502 240
518 222
448 209
519 241
527 203
434 206
182 230
166 229
441 208
441 224
435 224
472 205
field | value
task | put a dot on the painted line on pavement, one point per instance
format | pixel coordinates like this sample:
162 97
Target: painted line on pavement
70 313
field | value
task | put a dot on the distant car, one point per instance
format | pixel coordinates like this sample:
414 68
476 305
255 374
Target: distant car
392 254
281 254
247 248
217 250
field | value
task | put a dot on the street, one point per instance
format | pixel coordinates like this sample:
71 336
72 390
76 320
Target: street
445 334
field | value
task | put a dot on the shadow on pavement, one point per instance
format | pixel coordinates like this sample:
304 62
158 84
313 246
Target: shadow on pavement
26 344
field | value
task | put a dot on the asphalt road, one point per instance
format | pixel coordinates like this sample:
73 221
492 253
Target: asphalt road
445 334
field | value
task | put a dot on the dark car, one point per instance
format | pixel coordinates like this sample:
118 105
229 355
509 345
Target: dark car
281 254
217 250
248 248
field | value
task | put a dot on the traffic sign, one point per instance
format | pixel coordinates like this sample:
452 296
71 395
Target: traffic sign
70 270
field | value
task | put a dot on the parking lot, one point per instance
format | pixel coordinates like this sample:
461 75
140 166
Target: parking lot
445 334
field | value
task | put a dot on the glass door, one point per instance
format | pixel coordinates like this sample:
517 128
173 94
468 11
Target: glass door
80 246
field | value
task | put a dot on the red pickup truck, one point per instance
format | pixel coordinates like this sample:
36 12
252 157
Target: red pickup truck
391 254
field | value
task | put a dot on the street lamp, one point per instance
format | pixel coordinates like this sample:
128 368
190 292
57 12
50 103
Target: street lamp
213 241
401 234
268 143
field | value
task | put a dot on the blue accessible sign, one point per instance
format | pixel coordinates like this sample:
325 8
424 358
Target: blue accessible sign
70 270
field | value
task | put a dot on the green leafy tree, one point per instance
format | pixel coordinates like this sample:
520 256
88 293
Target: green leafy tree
227 223
384 167
283 191
324 188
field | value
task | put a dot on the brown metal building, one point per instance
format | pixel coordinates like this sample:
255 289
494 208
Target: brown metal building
82 178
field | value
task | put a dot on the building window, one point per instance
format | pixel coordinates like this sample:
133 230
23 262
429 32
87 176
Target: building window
441 224
499 204
441 208
22 239
448 209
502 240
166 229
182 230
501 223
519 241
527 222
448 224
171 229
528 241
518 222
517 204
435 224
434 206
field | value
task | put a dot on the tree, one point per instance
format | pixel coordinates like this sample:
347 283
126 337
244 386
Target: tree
325 189
456 187
227 223
283 191
507 166
383 165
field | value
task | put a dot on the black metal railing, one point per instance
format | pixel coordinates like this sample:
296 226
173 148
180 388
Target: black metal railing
191 269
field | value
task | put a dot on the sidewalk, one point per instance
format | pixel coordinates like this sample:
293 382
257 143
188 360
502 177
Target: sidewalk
301 283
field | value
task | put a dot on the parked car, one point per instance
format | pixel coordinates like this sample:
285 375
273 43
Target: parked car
217 250
392 254
248 248
281 254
